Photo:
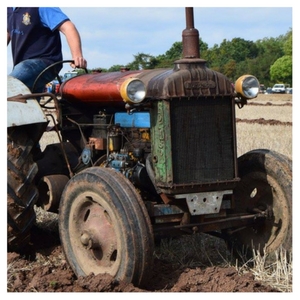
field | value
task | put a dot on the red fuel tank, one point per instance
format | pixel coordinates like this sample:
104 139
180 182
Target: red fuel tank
96 88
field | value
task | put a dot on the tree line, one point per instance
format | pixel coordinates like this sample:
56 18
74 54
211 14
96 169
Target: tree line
269 59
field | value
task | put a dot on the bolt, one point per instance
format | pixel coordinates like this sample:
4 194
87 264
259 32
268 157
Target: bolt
85 238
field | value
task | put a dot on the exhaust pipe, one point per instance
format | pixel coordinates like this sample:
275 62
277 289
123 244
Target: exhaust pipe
190 36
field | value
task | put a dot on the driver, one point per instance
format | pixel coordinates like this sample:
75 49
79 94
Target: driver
34 33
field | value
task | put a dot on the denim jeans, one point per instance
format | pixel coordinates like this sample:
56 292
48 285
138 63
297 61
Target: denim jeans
28 70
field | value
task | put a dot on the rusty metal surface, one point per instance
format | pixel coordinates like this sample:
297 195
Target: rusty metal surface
97 88
188 78
218 224
190 36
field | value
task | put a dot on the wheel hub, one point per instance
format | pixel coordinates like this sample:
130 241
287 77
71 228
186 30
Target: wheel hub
98 234
86 240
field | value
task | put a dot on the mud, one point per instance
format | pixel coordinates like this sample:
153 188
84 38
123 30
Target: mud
44 269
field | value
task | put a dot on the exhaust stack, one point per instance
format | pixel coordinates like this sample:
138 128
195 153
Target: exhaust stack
190 36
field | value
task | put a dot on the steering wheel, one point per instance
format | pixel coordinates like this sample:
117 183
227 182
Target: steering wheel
49 67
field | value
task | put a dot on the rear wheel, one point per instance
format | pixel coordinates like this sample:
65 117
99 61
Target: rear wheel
21 190
266 185
104 226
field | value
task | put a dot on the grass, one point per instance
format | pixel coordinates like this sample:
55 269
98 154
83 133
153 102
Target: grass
278 274
196 251
279 113
193 251
254 136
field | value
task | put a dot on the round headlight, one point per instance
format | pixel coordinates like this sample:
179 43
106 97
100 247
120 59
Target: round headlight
247 86
133 91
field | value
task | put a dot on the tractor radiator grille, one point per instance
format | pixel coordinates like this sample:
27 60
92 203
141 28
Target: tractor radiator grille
202 137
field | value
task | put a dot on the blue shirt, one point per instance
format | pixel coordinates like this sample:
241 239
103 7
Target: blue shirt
34 33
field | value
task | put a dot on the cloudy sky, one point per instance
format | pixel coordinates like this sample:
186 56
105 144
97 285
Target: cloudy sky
112 35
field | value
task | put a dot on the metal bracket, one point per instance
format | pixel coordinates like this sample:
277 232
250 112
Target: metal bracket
204 203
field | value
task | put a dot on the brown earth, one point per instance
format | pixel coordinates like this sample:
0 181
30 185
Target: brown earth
44 268
263 121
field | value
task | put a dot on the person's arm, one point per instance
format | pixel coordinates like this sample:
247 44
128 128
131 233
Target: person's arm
74 42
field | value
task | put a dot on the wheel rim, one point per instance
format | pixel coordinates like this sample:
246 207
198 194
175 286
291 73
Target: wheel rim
94 235
257 193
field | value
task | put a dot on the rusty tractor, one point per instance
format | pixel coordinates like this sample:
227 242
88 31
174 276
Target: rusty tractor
144 154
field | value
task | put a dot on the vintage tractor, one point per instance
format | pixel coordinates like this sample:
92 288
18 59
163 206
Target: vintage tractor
143 155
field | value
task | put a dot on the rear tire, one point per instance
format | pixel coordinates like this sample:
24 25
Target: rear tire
22 193
266 185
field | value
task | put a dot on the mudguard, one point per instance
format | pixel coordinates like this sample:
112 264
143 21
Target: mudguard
22 113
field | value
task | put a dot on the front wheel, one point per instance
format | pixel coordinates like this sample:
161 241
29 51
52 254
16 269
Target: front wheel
265 186
104 226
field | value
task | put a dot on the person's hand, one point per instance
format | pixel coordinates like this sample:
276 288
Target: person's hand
79 62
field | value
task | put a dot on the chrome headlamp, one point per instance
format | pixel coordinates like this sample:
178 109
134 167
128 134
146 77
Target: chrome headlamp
133 91
247 86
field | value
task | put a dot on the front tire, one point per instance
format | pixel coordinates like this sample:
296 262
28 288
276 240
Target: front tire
104 226
266 185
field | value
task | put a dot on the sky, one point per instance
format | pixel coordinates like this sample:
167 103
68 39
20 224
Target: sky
113 35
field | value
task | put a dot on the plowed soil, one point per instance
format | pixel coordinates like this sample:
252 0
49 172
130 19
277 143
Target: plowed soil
43 267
